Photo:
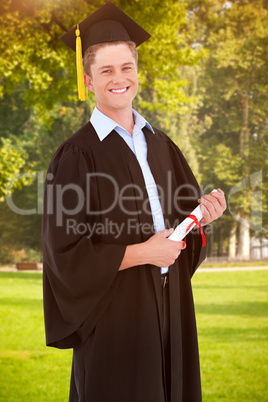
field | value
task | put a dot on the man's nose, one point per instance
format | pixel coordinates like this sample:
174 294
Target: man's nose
118 77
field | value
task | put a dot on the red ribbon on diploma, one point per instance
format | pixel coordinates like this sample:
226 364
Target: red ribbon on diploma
195 221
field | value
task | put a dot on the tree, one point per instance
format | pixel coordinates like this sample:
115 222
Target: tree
21 213
41 69
39 106
202 78
33 54
11 163
235 97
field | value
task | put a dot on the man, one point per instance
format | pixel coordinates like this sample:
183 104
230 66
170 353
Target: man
115 291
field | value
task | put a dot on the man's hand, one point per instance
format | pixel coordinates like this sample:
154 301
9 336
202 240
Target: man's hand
158 250
212 206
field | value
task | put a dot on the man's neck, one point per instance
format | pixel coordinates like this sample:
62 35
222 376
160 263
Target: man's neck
123 117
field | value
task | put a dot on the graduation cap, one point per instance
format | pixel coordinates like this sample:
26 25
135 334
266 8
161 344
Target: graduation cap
107 24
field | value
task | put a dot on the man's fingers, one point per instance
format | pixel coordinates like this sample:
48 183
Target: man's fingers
179 245
212 205
217 200
221 198
182 244
166 232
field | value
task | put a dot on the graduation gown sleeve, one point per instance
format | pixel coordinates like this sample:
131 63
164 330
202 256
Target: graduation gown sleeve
80 273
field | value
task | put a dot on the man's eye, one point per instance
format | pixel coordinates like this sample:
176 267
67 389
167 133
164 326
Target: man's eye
106 71
127 68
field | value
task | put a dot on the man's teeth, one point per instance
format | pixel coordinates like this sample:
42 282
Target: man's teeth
118 91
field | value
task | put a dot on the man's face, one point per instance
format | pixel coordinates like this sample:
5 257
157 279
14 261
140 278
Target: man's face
113 78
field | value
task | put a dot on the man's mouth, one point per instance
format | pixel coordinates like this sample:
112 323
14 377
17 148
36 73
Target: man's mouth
119 91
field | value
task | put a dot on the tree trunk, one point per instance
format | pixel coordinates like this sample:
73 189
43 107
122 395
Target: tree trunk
244 227
244 134
210 245
232 241
220 241
244 240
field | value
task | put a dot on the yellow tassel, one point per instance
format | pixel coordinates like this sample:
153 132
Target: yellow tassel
79 66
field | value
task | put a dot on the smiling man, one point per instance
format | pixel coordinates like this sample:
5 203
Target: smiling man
120 295
114 85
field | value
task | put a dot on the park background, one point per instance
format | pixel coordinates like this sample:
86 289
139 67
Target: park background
203 81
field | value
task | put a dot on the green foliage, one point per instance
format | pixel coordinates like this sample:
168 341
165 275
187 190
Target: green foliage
234 94
214 165
20 218
39 106
202 80
31 51
11 163
12 112
39 58
10 256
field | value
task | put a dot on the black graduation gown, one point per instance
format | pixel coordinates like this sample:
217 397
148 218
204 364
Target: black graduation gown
113 319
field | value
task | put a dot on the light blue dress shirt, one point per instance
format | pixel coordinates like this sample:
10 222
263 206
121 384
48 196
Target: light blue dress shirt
103 125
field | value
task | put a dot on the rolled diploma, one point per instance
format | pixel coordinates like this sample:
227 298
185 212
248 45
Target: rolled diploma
181 230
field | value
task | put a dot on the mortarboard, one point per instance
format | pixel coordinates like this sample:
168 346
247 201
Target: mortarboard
107 24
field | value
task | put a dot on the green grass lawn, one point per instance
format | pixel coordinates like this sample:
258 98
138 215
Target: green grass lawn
232 320
232 311
29 371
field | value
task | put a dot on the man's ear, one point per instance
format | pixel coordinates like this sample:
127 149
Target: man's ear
88 82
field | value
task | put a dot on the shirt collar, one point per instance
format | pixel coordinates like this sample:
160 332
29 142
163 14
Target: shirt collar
104 125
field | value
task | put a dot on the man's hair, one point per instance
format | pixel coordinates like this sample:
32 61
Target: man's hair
90 53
